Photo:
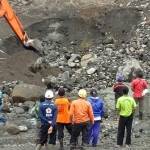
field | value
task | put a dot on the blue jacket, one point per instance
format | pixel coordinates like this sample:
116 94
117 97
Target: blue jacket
97 105
47 113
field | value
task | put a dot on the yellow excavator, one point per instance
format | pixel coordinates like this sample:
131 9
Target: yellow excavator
8 13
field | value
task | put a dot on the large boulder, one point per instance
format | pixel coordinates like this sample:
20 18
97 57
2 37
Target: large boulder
12 129
27 92
129 68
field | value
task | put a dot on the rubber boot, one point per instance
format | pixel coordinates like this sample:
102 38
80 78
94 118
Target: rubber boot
38 147
140 116
61 144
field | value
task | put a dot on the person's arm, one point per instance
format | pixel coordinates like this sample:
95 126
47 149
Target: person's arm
90 113
103 109
41 115
134 105
71 112
118 105
132 85
54 116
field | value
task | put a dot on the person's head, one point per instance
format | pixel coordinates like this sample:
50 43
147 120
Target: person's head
139 73
49 94
61 91
119 78
82 93
125 90
42 99
93 93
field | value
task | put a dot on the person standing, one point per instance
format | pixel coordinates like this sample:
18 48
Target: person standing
98 110
138 85
81 114
63 116
47 115
126 106
118 87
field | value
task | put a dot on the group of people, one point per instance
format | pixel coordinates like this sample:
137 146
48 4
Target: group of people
84 115
126 105
79 116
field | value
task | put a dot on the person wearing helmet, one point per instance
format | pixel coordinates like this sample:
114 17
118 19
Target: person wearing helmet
118 87
81 114
47 115
63 116
98 110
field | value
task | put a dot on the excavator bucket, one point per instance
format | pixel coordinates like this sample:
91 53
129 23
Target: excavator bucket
34 44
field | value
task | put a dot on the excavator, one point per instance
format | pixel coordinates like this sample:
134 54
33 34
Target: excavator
8 13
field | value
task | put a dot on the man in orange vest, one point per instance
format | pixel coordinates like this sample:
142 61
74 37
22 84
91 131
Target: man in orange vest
63 116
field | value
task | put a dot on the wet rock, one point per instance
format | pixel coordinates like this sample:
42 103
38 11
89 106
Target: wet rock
12 129
27 92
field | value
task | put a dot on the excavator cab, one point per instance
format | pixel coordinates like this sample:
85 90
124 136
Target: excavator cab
7 12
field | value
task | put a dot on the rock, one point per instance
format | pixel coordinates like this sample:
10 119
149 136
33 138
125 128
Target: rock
12 129
74 59
19 110
71 64
108 40
27 92
65 76
29 104
23 128
91 71
129 68
88 58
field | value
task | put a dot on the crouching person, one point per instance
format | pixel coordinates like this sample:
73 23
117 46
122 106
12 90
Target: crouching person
126 106
47 115
81 114
98 110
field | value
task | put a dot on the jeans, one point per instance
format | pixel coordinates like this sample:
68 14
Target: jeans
94 132
124 122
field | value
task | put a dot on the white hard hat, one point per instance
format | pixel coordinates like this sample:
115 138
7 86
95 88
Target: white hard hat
49 94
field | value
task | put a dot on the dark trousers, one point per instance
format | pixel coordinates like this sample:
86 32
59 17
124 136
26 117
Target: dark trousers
60 128
52 136
80 128
124 122
43 134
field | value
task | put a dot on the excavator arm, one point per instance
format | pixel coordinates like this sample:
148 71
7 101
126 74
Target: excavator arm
7 12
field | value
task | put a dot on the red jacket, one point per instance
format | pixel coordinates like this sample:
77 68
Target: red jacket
138 85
